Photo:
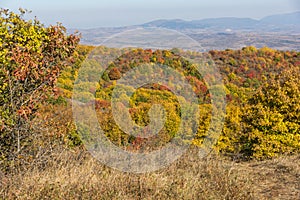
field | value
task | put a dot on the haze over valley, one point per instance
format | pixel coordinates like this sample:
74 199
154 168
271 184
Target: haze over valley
280 31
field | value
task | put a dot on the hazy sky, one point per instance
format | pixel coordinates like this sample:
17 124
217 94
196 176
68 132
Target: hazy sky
108 13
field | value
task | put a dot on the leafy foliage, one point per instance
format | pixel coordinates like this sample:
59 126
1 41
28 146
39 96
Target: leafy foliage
262 85
271 117
31 58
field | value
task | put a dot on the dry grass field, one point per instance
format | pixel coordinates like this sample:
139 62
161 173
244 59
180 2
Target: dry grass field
75 174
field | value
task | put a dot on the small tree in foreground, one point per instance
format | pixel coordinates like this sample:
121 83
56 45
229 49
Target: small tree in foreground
31 57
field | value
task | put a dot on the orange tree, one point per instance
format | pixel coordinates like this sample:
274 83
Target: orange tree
31 57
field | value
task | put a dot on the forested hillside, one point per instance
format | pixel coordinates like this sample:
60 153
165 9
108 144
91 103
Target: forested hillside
262 94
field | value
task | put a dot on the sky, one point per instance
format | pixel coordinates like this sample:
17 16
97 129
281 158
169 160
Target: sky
112 13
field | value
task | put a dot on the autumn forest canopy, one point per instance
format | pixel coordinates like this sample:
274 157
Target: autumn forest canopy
40 65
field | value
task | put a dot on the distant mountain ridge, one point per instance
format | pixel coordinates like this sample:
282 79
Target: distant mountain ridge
276 31
204 23
284 20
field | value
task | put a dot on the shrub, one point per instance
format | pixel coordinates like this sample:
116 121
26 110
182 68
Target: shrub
31 57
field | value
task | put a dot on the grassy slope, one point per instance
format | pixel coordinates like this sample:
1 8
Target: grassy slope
76 175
